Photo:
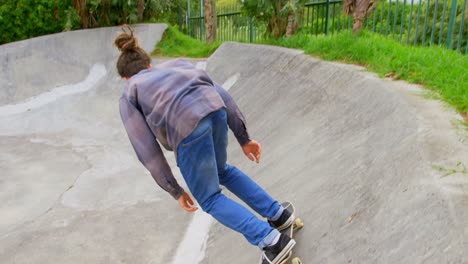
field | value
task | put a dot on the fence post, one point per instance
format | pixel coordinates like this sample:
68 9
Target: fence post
410 22
395 19
327 19
453 16
202 20
425 22
434 23
388 17
251 30
441 30
180 18
417 23
461 26
188 18
402 20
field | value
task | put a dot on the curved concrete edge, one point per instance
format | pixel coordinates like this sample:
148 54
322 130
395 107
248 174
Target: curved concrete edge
31 67
355 153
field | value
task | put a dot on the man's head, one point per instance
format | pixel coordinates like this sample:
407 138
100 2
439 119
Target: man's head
132 58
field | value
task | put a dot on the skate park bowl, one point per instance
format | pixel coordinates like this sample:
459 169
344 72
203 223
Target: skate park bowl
363 159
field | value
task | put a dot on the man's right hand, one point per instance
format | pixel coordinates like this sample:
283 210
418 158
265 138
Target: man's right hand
187 203
253 151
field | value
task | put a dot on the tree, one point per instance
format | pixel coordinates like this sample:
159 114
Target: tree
282 16
210 20
31 18
293 11
360 9
82 10
140 9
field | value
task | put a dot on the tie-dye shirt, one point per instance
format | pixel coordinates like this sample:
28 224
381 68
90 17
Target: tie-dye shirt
163 105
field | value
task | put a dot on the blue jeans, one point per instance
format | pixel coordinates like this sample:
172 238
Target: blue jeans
202 161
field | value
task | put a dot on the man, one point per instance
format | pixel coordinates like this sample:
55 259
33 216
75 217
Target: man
180 107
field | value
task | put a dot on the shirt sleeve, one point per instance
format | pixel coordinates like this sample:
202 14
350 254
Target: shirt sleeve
147 148
235 118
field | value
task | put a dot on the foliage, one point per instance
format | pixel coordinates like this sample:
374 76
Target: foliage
21 19
164 10
226 4
72 19
177 44
275 13
117 12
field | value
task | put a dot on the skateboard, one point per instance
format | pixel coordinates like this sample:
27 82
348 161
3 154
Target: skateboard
298 224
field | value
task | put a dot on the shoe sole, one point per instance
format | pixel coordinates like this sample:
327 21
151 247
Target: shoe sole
284 252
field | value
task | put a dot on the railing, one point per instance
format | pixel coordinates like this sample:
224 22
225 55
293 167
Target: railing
425 23
413 22
325 17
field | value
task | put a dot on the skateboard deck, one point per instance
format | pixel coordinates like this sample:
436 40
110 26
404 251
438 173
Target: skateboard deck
298 224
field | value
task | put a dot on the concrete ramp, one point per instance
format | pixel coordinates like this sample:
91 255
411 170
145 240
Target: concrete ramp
355 153
72 190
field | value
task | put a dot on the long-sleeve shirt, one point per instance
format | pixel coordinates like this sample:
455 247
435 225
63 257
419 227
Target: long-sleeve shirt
163 105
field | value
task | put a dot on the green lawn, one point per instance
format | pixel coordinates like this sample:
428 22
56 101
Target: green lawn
444 72
177 44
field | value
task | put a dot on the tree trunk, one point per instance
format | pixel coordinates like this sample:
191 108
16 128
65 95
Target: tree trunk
290 27
215 19
80 6
106 9
465 116
140 10
210 20
360 9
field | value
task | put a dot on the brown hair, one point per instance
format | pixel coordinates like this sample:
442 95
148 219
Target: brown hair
132 57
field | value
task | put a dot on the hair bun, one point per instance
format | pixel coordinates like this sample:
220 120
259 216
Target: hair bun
126 40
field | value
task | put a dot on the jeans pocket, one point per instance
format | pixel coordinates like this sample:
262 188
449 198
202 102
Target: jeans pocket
197 148
196 139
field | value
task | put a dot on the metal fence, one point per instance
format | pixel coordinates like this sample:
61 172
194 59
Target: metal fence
231 25
427 23
325 17
413 22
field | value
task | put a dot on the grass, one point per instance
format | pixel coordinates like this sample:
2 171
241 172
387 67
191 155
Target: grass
459 168
177 44
443 72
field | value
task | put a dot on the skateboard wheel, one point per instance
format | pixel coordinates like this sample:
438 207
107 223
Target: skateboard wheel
296 261
299 223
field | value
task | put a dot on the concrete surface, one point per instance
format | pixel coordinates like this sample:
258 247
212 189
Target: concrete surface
72 190
355 153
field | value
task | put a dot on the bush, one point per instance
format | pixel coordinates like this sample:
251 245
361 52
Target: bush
21 19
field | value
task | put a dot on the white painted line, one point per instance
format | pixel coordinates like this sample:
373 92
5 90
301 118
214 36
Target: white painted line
96 73
231 81
193 246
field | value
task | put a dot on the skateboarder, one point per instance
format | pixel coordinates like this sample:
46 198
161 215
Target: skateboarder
179 107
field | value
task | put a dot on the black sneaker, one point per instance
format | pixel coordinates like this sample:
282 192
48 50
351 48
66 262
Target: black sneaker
277 252
286 220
